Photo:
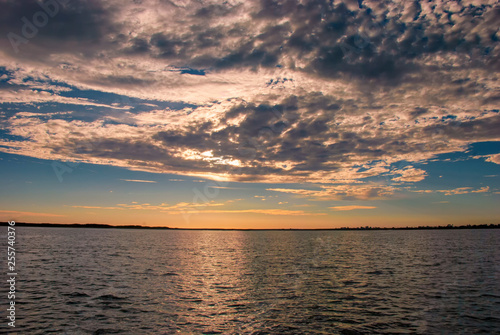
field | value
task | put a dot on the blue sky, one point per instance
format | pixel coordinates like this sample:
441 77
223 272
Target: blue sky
251 114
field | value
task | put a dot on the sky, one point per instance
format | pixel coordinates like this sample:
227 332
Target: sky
250 114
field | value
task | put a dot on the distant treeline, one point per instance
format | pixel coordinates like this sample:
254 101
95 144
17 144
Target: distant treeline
450 226
107 226
82 225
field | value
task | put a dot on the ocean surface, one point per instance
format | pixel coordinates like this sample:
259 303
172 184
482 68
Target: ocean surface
111 281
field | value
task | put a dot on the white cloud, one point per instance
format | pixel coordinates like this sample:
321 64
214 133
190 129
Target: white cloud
351 208
409 174
346 117
139 181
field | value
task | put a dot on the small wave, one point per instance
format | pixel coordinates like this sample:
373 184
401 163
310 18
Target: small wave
109 297
350 282
76 295
376 272
489 295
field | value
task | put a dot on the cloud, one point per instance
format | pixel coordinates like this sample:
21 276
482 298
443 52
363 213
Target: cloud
97 207
180 207
409 174
482 190
494 159
459 190
145 44
464 190
65 22
139 181
338 38
351 208
184 208
342 192
255 211
225 187
277 142
332 93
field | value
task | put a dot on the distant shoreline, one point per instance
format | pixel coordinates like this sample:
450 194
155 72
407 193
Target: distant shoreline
107 226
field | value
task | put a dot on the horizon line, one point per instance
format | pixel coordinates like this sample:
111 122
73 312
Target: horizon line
108 226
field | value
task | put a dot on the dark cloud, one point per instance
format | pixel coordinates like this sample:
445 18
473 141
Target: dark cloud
365 38
53 26
214 11
357 40
480 129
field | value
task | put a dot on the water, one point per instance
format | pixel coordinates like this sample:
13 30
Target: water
98 281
